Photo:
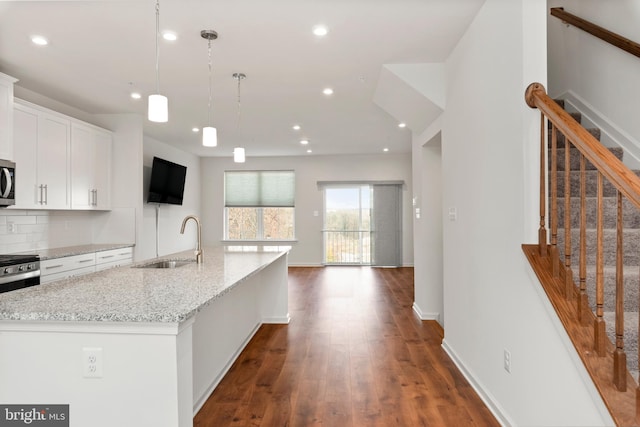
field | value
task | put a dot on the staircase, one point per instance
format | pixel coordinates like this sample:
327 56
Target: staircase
631 241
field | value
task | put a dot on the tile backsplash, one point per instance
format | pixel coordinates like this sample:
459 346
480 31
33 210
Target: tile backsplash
25 230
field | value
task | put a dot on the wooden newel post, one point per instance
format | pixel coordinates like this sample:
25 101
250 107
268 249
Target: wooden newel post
542 232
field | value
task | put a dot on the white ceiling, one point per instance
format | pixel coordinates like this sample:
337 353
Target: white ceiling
100 51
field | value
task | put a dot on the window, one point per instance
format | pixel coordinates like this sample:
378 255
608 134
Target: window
259 205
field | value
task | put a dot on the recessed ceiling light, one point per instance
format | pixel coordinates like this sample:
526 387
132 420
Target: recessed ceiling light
385 149
320 30
195 129
135 95
168 35
328 91
39 40
295 127
309 151
402 125
304 141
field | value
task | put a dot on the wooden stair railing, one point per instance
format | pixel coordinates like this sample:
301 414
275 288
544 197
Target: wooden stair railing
612 385
602 33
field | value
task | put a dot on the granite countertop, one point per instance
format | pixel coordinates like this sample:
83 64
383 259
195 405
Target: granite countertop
129 294
76 250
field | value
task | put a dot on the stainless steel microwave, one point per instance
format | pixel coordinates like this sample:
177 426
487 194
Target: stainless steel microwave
7 183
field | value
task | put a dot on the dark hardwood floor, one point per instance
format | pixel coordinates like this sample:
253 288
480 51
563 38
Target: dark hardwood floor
354 354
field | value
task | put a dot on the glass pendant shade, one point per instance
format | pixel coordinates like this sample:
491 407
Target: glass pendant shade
238 155
158 108
209 136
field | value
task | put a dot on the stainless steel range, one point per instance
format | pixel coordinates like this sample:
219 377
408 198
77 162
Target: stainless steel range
19 271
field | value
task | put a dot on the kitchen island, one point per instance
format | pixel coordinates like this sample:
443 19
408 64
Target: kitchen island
138 346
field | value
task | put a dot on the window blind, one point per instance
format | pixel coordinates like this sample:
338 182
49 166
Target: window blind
259 189
386 245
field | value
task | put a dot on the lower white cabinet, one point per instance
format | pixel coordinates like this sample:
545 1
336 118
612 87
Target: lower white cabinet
62 268
113 258
70 266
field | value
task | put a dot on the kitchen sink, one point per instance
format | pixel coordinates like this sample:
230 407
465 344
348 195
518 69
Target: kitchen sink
166 264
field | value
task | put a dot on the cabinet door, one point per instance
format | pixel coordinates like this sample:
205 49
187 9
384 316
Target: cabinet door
83 155
25 144
103 170
53 160
90 167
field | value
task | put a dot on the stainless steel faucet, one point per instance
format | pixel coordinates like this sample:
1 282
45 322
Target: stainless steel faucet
198 251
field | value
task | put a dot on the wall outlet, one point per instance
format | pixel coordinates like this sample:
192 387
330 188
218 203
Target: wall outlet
507 360
12 228
92 362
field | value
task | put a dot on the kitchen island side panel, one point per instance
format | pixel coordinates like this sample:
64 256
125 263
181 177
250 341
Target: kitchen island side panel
223 328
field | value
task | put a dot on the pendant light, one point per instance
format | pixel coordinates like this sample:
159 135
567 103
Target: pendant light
209 133
238 155
238 152
158 104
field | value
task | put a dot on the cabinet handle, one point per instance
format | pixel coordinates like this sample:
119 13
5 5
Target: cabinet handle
107 256
96 198
53 266
46 194
41 197
84 260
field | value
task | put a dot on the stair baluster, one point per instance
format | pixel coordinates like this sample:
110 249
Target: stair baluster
584 311
555 257
599 333
568 273
619 356
542 232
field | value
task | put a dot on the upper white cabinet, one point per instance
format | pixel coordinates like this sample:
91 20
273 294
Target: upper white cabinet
41 152
6 116
90 167
61 163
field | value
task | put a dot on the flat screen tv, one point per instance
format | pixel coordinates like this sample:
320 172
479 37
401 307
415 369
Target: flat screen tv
167 182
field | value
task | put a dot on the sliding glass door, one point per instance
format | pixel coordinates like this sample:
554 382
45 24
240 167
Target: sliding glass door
363 224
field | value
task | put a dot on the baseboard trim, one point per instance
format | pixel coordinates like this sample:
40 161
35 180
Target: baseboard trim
487 398
423 315
278 320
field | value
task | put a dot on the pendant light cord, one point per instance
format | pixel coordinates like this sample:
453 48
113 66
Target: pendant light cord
157 46
239 107
209 105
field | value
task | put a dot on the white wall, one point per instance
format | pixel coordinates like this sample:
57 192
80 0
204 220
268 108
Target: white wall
169 216
309 170
604 77
427 228
492 300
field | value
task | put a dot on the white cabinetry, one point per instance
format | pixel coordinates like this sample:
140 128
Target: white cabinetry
6 116
41 152
113 258
90 167
61 162
63 268
77 265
